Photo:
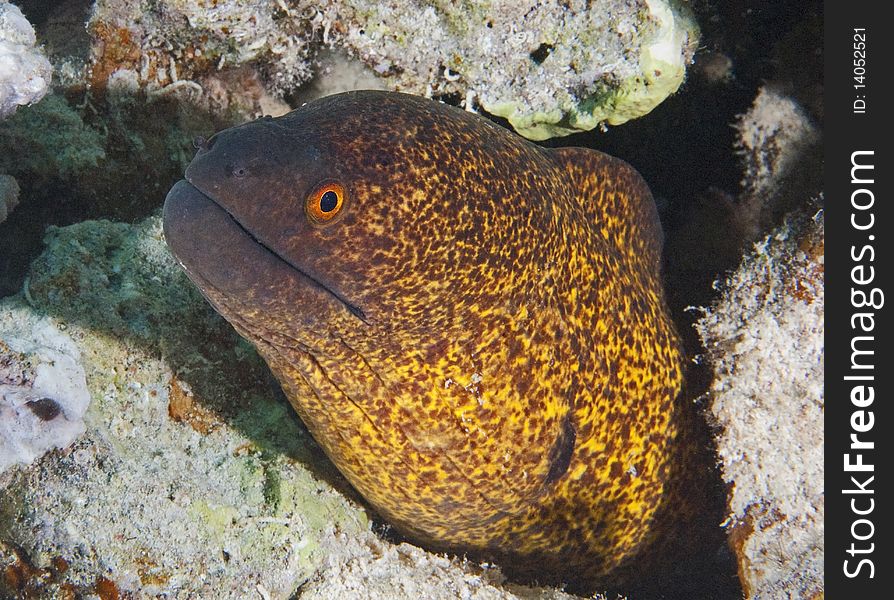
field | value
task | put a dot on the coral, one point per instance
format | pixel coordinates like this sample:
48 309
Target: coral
764 337
108 155
187 449
550 68
9 195
76 156
780 162
43 390
337 72
25 73
193 477
364 566
169 45
52 141
781 156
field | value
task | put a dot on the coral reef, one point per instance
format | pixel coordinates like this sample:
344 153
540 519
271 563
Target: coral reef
764 337
25 73
336 72
186 480
52 141
781 155
550 68
362 567
192 478
780 161
181 48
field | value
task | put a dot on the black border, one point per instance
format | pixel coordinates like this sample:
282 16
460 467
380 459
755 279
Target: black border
846 132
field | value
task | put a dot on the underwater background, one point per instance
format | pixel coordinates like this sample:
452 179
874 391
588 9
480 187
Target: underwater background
145 449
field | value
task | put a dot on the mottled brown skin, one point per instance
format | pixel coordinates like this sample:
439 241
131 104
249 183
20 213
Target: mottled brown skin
479 340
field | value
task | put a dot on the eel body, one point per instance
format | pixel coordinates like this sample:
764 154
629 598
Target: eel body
472 327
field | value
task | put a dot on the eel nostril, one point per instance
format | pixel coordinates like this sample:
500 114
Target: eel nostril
201 143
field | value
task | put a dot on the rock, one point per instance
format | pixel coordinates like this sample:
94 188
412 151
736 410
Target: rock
82 158
782 160
170 47
550 68
364 567
43 391
336 72
25 73
764 338
193 476
52 142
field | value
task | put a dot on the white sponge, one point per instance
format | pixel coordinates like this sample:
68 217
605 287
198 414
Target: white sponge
43 393
25 73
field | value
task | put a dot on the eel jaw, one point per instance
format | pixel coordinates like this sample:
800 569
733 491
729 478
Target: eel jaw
227 262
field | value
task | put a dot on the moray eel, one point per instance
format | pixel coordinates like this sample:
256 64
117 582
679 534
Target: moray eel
471 326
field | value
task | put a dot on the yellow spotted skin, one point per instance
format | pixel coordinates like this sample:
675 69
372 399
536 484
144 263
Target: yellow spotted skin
479 341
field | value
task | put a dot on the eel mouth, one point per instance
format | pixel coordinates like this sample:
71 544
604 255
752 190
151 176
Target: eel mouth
219 252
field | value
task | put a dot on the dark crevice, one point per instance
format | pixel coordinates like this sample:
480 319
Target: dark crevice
539 55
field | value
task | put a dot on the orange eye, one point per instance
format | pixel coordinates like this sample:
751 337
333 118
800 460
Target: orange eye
325 202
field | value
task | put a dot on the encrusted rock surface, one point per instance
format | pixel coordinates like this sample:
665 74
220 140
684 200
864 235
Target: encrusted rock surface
25 73
191 474
193 478
763 340
551 68
764 337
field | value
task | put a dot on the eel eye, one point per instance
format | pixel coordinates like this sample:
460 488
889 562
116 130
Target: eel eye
325 202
